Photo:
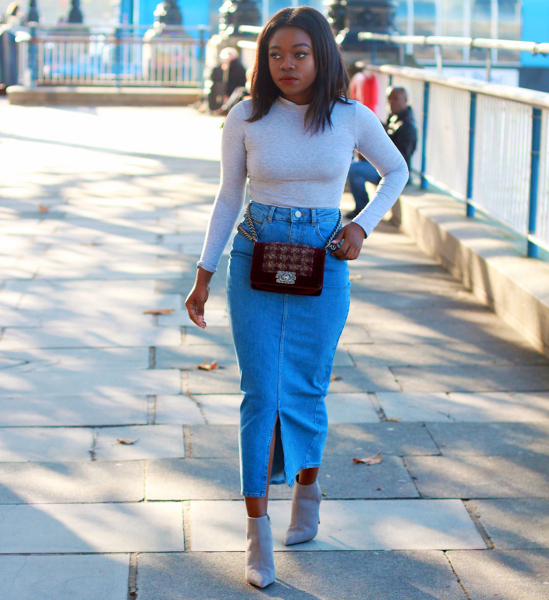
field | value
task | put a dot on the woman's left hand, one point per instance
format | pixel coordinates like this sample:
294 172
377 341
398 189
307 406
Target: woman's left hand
352 235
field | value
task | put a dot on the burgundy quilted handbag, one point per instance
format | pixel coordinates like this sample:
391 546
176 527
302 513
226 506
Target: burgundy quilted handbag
287 268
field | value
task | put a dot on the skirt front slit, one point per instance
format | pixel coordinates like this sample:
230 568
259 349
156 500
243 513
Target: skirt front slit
285 346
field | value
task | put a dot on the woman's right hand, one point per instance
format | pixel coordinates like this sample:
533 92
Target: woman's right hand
198 297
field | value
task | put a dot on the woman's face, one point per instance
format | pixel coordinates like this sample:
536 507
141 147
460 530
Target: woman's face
292 64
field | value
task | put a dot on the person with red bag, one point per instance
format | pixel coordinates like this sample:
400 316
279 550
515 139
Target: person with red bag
292 143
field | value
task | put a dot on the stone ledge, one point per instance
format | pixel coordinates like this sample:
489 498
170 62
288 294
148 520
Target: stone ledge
489 261
101 96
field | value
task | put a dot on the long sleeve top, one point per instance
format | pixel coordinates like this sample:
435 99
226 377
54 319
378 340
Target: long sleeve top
285 165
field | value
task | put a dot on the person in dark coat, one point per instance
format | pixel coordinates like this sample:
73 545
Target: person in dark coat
402 130
234 71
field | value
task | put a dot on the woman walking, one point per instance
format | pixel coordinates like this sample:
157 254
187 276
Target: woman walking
293 142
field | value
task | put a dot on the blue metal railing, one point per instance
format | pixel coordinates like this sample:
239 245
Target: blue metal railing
494 144
122 55
471 157
534 181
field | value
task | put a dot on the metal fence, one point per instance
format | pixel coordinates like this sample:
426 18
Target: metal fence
490 46
485 144
120 57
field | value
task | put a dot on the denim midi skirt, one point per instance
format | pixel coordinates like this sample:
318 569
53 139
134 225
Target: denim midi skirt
285 346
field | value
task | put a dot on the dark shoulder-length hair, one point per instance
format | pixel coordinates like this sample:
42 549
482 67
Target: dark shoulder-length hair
332 81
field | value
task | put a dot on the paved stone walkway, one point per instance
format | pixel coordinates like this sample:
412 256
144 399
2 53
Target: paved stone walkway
102 216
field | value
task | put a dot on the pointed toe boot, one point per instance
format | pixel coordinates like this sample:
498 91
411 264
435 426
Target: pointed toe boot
260 568
305 511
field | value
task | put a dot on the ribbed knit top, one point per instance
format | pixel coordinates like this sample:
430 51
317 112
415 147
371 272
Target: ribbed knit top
287 166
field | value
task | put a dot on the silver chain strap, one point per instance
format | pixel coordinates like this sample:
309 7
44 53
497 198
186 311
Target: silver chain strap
253 237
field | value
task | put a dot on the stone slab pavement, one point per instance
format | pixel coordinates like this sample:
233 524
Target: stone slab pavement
119 467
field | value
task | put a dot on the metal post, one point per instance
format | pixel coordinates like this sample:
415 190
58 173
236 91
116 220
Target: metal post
33 16
466 29
488 64
471 163
534 180
201 53
168 13
423 183
494 20
438 31
234 13
410 25
33 56
117 55
349 18
75 14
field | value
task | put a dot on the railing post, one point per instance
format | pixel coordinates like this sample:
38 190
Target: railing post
33 56
471 163
201 55
117 54
534 180
424 184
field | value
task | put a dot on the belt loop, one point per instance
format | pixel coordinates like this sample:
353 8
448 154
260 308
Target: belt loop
313 217
271 213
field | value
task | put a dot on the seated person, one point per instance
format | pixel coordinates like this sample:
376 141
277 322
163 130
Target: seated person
401 128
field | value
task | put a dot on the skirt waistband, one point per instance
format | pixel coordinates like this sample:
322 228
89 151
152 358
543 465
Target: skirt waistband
294 215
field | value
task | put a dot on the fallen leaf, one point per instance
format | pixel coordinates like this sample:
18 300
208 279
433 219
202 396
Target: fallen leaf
335 378
122 441
371 460
207 366
159 311
43 208
355 276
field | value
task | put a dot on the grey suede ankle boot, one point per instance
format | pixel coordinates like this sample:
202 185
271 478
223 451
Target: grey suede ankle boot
260 568
305 509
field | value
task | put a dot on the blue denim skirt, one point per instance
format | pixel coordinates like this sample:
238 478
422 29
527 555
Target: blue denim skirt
285 346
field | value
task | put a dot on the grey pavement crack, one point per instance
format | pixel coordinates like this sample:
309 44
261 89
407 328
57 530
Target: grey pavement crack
187 525
94 445
396 378
200 407
411 476
432 437
187 440
377 406
457 576
132 576
151 409
152 357
472 509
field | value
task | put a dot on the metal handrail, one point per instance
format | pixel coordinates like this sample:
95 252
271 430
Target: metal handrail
531 97
250 29
112 40
433 40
